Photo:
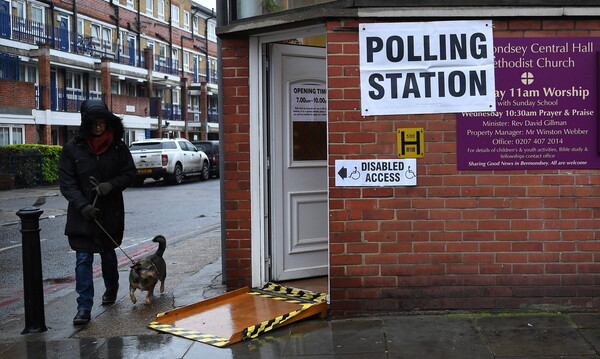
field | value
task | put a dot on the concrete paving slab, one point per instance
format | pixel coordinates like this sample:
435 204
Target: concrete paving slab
268 345
431 336
66 348
143 346
586 320
337 337
538 336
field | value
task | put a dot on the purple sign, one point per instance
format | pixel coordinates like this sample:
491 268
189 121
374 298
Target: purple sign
545 114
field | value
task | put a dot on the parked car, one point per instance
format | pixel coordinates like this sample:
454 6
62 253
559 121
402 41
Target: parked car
171 159
211 148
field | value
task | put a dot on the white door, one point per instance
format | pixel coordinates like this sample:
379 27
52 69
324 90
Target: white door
298 162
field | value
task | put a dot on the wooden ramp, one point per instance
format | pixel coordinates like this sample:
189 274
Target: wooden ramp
241 314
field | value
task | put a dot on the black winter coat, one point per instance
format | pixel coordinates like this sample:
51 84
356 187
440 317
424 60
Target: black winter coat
76 164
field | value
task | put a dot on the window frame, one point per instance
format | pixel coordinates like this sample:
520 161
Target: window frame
161 9
175 15
12 131
150 7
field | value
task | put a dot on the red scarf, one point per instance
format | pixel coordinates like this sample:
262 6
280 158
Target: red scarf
99 144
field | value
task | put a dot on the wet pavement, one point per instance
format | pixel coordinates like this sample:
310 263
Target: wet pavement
120 330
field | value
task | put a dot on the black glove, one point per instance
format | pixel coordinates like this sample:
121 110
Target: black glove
103 188
90 212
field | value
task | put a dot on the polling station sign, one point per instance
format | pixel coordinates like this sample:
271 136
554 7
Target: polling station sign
376 173
426 67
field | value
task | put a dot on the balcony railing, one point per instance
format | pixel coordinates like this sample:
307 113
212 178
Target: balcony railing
60 38
9 67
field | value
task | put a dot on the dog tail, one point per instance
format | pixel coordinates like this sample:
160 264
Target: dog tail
162 245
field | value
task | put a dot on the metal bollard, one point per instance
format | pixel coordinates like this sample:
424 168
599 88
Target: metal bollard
35 321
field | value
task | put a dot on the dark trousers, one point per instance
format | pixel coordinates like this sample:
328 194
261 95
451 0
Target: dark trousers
84 276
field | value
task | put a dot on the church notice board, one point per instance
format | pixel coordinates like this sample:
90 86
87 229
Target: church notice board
546 108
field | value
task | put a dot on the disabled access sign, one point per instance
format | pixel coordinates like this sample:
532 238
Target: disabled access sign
376 173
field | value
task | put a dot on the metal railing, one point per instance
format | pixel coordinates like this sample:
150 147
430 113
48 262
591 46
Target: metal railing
9 67
60 38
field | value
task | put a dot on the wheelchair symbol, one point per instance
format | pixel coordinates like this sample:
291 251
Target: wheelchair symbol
355 174
410 174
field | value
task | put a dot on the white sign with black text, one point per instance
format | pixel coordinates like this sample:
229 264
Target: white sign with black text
308 102
426 67
377 173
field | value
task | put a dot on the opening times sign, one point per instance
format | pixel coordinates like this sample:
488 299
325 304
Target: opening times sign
545 116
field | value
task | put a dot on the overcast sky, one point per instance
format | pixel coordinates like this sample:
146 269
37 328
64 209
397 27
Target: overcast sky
210 4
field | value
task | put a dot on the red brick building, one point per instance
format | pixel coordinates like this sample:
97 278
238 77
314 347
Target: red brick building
153 63
499 238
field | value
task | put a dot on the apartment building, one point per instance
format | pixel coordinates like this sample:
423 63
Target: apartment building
153 62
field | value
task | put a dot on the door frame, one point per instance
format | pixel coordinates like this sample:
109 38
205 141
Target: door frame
259 207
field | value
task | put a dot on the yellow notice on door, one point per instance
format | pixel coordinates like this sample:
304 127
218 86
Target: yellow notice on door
410 143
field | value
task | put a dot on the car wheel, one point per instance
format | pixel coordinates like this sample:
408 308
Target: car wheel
177 176
204 173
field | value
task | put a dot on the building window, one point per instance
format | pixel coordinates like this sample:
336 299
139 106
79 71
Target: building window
175 15
11 135
95 87
130 89
175 57
80 27
107 39
28 73
150 7
186 61
195 22
19 9
175 97
161 9
194 103
74 85
130 3
114 87
186 19
211 31
37 14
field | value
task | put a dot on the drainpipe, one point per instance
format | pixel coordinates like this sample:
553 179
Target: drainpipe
139 34
212 16
116 18
171 39
75 25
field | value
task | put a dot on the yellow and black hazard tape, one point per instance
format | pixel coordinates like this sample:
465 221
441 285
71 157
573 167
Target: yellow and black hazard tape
295 293
255 330
190 334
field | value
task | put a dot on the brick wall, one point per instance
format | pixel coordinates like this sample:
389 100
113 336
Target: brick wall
459 239
121 102
236 141
17 94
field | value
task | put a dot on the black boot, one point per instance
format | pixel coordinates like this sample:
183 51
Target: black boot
82 317
110 296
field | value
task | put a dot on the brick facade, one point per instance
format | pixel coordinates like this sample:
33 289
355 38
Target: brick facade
459 239
17 94
236 124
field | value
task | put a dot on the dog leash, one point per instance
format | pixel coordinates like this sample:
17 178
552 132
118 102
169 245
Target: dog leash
95 182
111 238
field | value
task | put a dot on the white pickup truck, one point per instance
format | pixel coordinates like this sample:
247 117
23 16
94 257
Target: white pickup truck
170 159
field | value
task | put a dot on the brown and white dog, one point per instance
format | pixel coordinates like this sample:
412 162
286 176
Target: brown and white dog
146 272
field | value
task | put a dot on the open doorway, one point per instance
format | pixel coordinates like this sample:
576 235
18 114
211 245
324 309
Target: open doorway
295 241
